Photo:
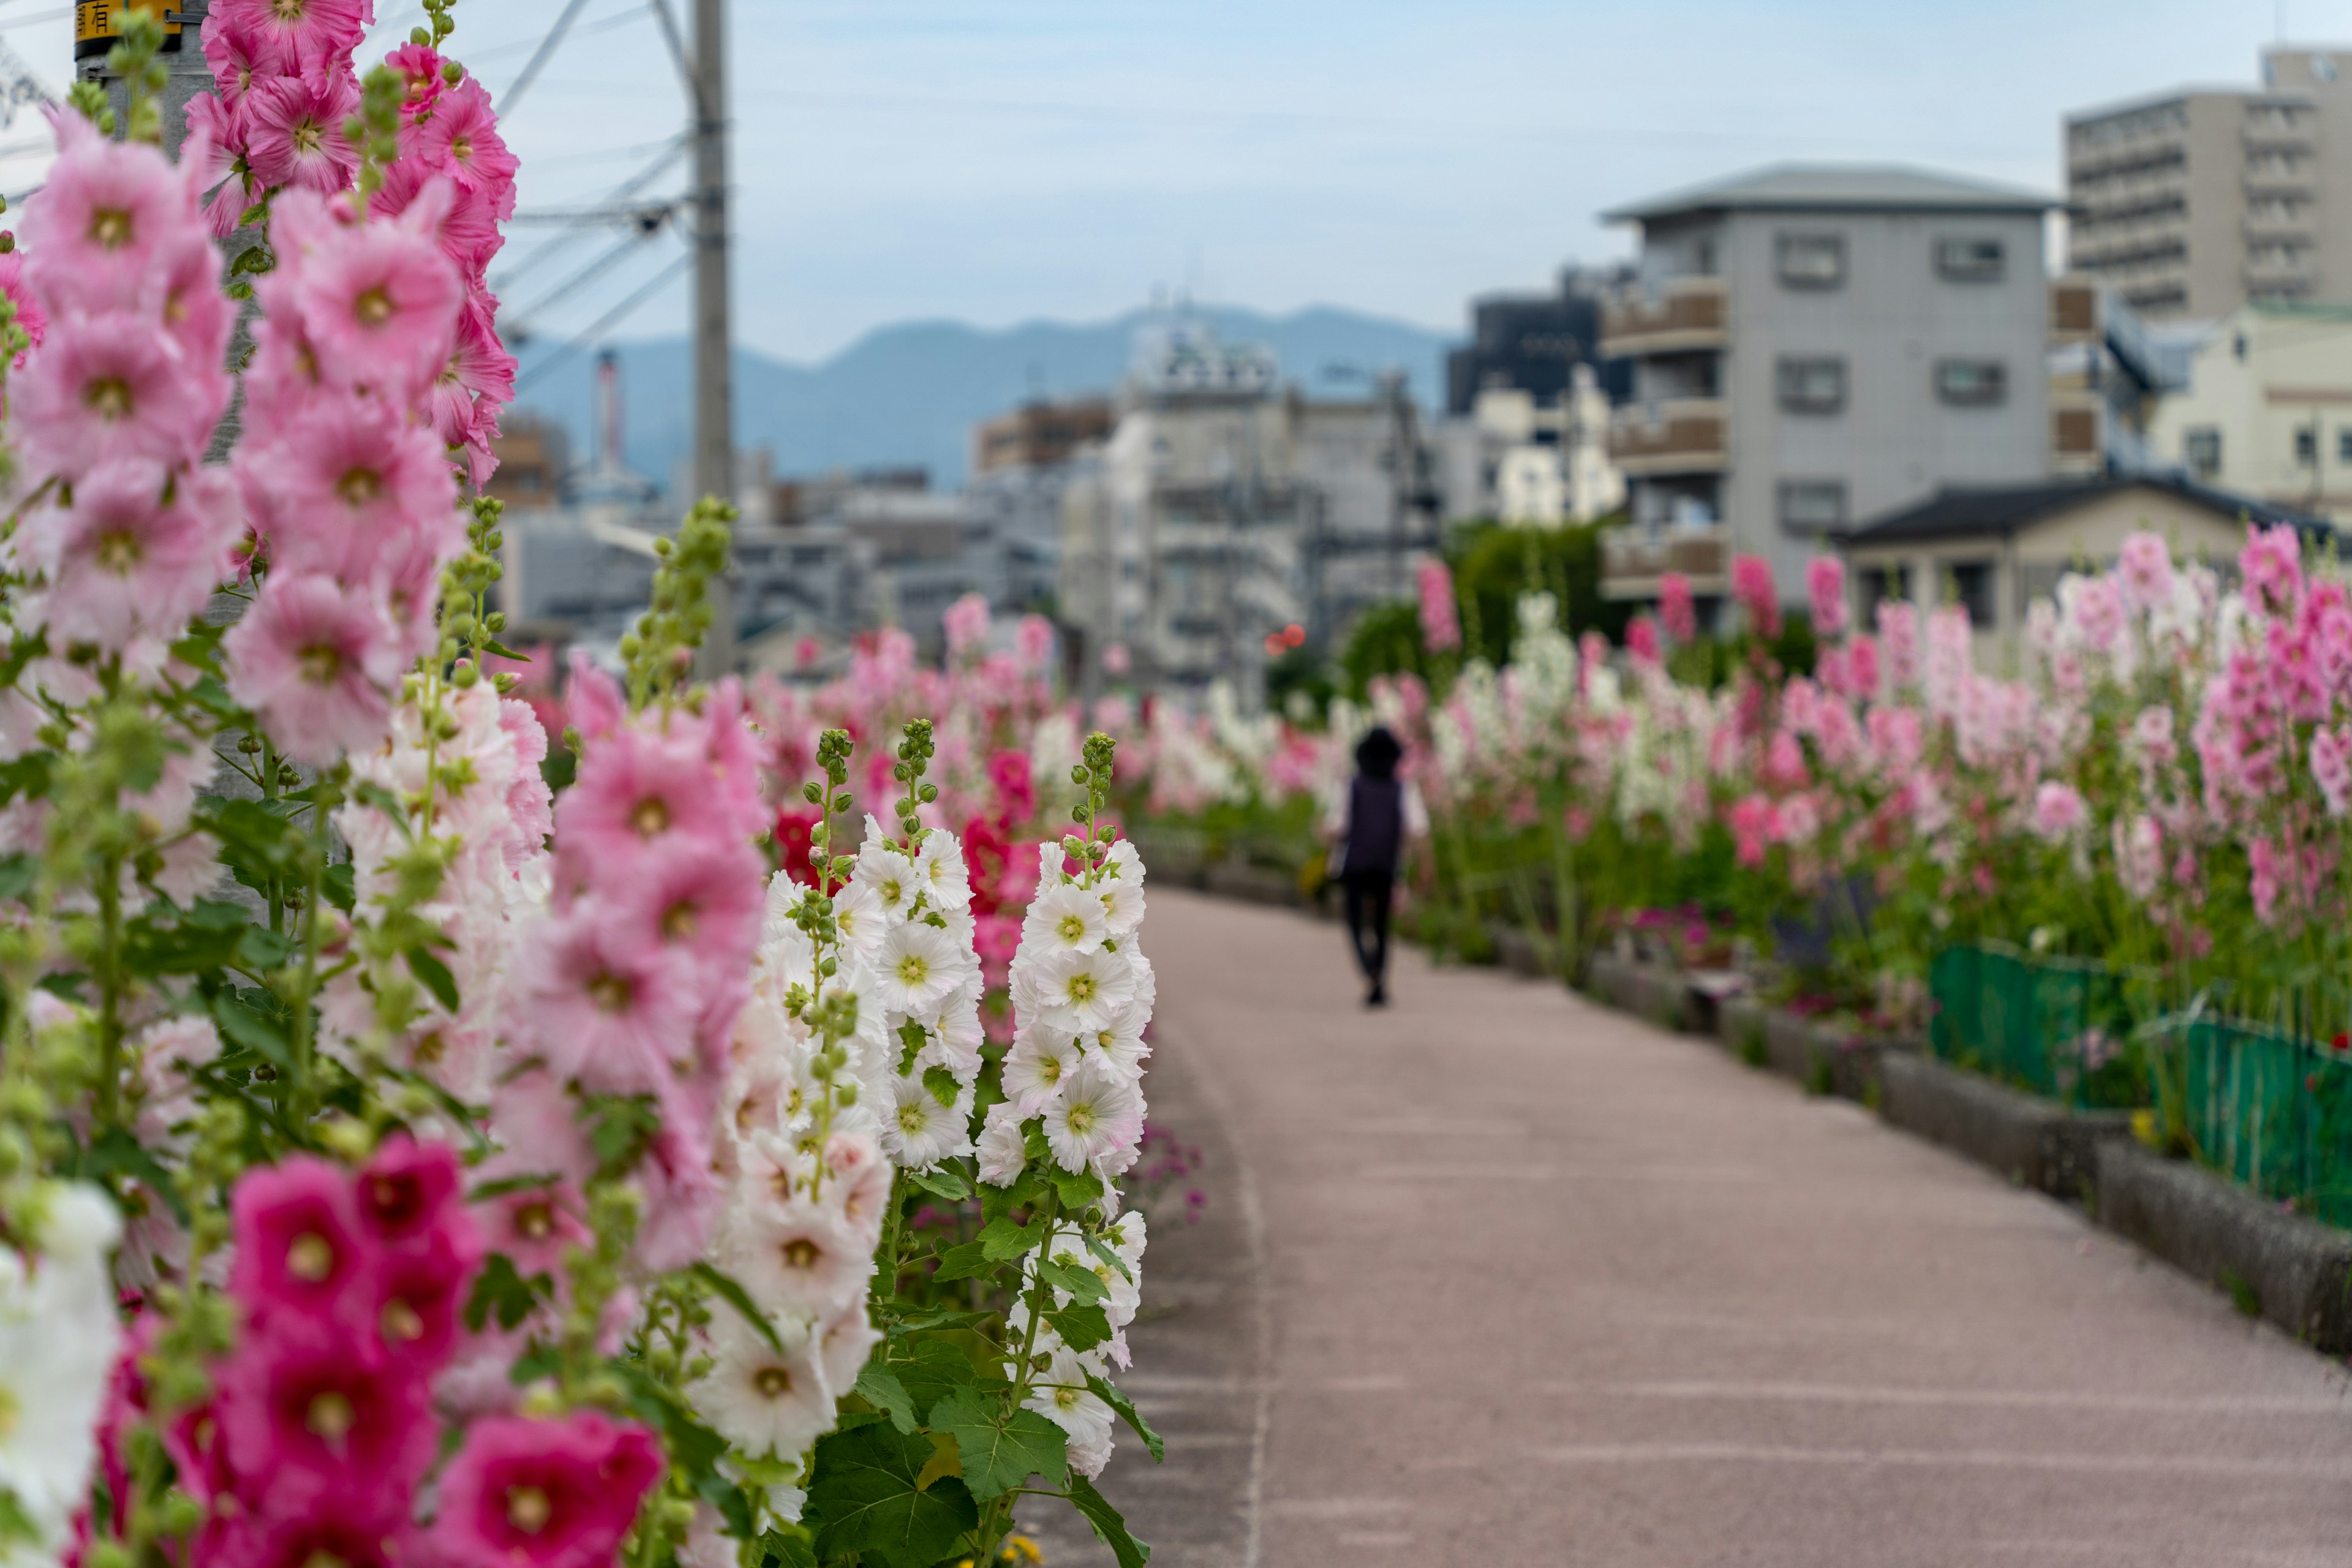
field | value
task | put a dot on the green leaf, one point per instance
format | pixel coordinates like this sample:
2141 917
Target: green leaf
435 974
943 1181
255 1031
115 1151
778 1550
911 1041
882 1390
500 1288
969 1261
1111 1527
1079 1188
942 1084
934 1370
1083 1284
1000 1451
342 890
1101 1248
864 1498
735 1296
260 949
27 776
624 1124
17 873
505 652
1001 1238
1126 1412
1082 1328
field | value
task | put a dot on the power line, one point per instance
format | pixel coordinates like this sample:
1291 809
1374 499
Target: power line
513 95
671 152
607 321
586 275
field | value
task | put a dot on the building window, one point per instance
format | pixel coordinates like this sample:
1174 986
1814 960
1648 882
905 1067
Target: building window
2200 449
1812 261
1810 386
1971 383
2306 447
1878 585
1969 260
2344 445
1812 506
1973 591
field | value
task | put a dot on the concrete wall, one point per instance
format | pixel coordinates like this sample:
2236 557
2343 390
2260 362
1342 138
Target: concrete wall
2261 375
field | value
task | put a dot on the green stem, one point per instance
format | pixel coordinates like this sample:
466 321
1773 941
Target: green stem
110 990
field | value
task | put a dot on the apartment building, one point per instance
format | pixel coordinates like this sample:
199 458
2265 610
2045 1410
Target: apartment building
2267 410
1528 462
2194 202
1814 344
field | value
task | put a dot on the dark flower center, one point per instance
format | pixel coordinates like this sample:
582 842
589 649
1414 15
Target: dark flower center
310 1257
109 398
359 486
320 664
773 1381
118 551
802 1253
610 992
374 307
110 228
528 1509
652 816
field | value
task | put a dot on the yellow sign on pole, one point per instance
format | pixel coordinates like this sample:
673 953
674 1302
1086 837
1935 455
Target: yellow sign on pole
100 21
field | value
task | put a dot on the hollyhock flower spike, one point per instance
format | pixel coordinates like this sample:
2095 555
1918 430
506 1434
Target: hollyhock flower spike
1825 588
1676 611
544 1493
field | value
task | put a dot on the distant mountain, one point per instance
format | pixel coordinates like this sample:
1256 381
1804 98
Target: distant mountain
911 393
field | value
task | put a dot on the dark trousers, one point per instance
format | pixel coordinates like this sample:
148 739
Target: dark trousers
1367 895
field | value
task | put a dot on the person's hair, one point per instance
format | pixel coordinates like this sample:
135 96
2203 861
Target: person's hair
1377 753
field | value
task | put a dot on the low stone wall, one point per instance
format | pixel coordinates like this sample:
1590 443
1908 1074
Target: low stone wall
2047 1147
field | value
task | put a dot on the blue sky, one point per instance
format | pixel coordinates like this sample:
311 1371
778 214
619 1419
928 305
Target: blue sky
1064 158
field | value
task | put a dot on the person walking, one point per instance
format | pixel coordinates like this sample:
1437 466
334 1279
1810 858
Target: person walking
1373 818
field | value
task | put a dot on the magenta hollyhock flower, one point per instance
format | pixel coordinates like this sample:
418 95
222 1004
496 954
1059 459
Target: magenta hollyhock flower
544 1494
301 1251
139 552
1441 626
420 1290
109 387
1641 639
92 233
316 1419
315 659
349 482
1676 609
410 1193
533 1228
460 138
297 36
294 131
420 67
380 308
29 314
1752 585
602 1007
318 1536
1825 587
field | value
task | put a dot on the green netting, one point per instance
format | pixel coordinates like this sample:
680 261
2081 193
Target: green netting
2058 1026
2273 1111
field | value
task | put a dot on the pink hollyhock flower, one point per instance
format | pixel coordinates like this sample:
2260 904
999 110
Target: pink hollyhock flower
1751 821
197 314
2058 809
593 703
315 659
2095 607
2331 769
544 1494
294 132
2144 568
348 485
300 1252
380 308
460 138
603 1009
1752 585
479 368
296 36
314 1421
1898 639
1032 642
1641 639
420 67
706 899
457 219
29 314
1796 821
531 1112
1784 763
966 624
320 1535
1441 625
1676 611
2272 565
637 795
533 1228
280 385
1825 587
681 1198
92 233
138 552
111 387
2139 856
1861 668
235 48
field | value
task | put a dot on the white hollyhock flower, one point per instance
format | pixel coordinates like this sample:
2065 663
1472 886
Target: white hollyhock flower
884 868
1098 1115
58 1338
758 1400
961 1035
843 1344
1061 1396
1123 903
916 968
918 1131
858 912
1035 1067
794 1256
1066 919
940 868
1004 1148
1124 864
1122 1045
1083 990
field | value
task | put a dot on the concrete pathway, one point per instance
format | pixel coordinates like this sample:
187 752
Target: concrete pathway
1499 1278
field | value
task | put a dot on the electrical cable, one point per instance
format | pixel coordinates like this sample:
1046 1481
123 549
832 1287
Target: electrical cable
605 323
513 95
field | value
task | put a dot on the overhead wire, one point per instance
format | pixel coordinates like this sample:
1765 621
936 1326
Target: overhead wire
605 323
547 48
563 243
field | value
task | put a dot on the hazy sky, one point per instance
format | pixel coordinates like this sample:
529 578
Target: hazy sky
1064 158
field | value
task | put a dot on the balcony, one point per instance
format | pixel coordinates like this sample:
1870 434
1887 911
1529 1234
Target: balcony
1674 435
1631 561
2075 429
1682 315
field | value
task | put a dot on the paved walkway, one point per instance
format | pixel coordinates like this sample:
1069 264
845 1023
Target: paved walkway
1499 1278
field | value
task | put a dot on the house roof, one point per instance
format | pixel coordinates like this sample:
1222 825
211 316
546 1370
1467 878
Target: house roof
1818 187
2001 512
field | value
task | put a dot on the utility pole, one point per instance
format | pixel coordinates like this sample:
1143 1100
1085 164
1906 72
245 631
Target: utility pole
714 393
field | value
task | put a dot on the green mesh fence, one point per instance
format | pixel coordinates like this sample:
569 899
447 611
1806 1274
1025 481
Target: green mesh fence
2059 1028
2273 1111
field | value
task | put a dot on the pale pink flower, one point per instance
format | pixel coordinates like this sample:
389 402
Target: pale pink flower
380 309
295 130
139 552
2144 568
93 233
1752 585
1441 626
1676 611
2272 565
2331 769
603 1009
315 659
296 36
111 387
2058 809
197 314
460 138
1825 587
347 485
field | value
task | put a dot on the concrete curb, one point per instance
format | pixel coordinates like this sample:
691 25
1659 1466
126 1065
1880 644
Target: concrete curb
2284 1266
2031 1142
1516 951
1644 990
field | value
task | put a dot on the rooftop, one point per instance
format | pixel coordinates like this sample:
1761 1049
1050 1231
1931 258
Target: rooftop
1974 512
1819 187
